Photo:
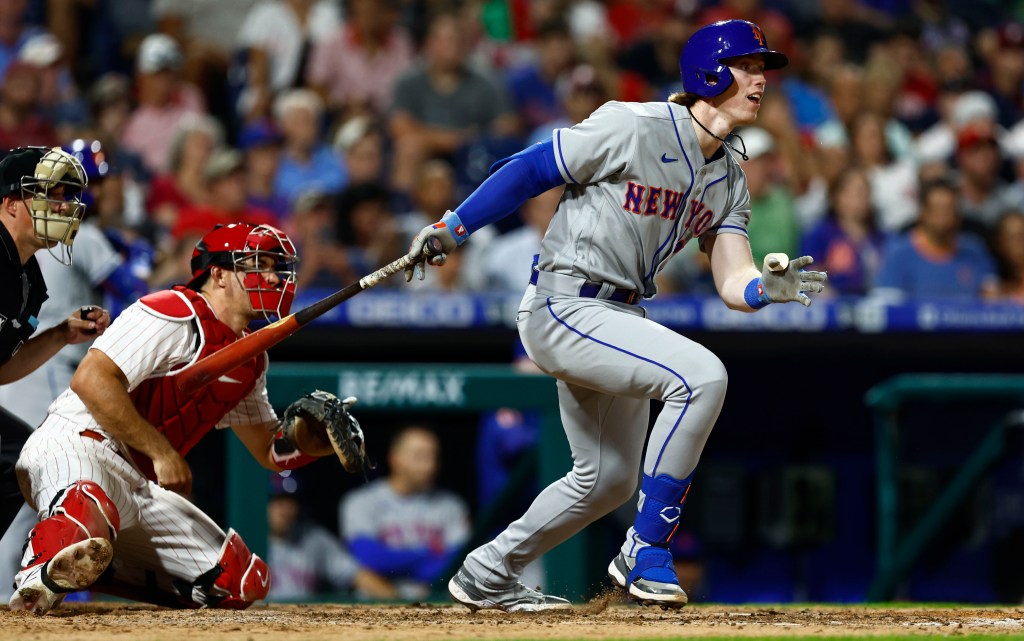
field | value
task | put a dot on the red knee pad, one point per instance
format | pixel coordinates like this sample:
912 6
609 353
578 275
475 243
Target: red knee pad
84 512
88 504
244 575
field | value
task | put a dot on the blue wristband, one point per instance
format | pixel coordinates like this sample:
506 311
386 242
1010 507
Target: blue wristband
754 295
454 224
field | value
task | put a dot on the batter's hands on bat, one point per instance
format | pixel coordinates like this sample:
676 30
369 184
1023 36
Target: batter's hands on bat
173 473
433 244
85 324
785 280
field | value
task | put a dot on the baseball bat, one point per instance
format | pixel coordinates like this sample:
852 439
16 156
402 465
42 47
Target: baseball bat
208 369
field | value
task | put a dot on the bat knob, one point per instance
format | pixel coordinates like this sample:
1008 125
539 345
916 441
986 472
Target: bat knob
777 262
433 247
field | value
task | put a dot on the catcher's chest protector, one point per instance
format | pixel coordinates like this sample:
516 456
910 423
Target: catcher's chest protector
185 420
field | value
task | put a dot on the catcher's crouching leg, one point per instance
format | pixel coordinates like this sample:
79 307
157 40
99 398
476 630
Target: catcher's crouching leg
239 579
69 549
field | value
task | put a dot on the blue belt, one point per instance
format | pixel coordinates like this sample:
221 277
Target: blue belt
590 289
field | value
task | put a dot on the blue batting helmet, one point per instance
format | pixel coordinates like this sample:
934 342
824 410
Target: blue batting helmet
703 62
90 154
94 161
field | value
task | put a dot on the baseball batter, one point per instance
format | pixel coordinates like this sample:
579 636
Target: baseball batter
642 180
105 471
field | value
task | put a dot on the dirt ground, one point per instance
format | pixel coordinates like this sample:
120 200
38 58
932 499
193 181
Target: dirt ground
599 619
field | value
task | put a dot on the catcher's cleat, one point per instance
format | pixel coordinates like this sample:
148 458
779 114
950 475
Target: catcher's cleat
42 587
516 598
650 577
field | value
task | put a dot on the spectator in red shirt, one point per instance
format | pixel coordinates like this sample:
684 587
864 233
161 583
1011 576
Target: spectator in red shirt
225 177
20 121
777 28
633 20
185 184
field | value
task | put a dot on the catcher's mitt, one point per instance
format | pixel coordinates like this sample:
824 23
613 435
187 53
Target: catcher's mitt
319 423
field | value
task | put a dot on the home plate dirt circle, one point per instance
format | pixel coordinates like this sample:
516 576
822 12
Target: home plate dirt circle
596 620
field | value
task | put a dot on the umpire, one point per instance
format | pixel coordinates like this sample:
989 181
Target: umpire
41 209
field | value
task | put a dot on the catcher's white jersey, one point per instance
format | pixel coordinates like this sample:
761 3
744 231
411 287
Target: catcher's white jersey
145 344
638 190
163 536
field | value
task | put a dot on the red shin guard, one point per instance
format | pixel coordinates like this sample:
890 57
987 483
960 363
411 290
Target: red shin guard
244 576
85 511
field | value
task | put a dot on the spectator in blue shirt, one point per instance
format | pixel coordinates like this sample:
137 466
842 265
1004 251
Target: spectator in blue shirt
307 163
935 259
14 32
847 243
532 86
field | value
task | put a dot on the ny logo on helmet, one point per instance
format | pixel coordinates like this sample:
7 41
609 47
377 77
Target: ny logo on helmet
758 34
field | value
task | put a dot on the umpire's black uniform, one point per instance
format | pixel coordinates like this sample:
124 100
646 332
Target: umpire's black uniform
22 292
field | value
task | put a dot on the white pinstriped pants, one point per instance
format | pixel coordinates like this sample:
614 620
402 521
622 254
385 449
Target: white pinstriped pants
163 536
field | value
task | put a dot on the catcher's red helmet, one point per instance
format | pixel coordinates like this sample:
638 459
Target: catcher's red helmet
264 256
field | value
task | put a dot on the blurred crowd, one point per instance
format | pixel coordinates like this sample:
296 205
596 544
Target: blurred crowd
891 148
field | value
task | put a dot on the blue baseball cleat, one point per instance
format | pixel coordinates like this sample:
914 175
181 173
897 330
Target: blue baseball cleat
649 578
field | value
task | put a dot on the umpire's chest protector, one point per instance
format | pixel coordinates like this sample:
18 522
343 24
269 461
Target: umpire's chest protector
183 419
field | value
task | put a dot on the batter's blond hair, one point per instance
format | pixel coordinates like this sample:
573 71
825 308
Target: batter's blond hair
684 99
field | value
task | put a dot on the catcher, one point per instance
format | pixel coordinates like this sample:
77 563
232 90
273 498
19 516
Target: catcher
105 470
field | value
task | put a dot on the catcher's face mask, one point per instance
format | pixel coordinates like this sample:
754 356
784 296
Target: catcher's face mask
267 269
263 259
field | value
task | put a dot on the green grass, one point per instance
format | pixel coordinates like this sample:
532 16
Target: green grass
868 637
858 605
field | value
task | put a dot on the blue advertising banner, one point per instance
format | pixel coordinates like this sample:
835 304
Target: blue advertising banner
405 310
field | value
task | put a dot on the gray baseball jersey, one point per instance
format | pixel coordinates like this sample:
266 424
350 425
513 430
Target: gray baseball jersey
437 520
310 560
638 191
639 188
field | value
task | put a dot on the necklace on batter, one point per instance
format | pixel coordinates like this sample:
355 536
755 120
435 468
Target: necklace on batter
742 154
